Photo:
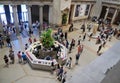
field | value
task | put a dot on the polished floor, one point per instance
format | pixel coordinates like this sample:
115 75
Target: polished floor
18 73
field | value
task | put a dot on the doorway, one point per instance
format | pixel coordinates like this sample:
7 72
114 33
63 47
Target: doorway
110 14
35 13
102 15
46 14
117 19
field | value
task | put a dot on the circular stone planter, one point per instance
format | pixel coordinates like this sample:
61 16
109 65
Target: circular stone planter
44 64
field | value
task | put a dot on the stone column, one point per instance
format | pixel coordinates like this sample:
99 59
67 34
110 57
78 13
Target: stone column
15 17
41 16
29 16
50 14
114 16
106 13
0 20
89 10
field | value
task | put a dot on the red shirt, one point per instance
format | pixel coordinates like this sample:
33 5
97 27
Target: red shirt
19 55
79 49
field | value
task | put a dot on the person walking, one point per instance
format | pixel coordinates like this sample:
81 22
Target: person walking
52 67
104 42
6 60
99 48
73 43
64 75
90 36
89 26
67 44
57 68
79 40
84 36
77 58
1 44
66 35
12 57
79 49
68 63
70 47
8 42
19 57
71 27
59 76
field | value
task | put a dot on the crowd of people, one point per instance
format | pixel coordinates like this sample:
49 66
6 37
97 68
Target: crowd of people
106 32
10 58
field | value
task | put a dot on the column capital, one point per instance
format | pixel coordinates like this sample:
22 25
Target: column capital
14 6
28 6
50 5
41 5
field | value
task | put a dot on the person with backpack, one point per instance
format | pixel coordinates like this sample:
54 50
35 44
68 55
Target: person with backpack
24 58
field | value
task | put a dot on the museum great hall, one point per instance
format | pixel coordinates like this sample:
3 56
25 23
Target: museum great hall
22 20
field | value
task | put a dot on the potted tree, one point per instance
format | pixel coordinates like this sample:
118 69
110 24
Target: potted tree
46 39
64 19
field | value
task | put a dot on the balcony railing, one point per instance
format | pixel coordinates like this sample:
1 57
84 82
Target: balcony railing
112 0
83 0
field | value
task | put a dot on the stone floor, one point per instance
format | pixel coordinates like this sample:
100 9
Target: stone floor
113 75
18 73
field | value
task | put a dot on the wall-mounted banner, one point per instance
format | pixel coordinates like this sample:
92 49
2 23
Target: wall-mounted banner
81 10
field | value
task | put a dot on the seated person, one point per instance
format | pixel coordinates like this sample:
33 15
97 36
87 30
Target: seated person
48 58
38 47
36 52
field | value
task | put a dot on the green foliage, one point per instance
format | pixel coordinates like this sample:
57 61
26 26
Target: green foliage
64 18
47 39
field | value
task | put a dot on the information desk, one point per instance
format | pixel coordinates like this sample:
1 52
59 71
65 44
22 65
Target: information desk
41 63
